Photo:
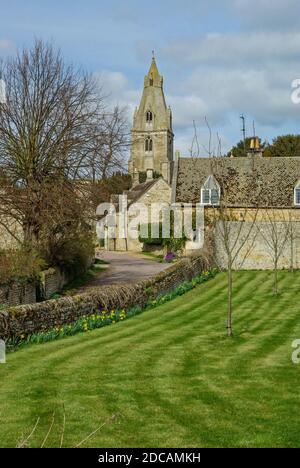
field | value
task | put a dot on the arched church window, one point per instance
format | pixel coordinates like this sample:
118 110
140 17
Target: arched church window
149 116
148 144
151 82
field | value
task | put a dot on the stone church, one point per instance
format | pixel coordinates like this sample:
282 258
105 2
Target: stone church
151 156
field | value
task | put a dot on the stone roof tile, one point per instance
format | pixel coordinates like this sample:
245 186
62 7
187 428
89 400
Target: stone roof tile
268 182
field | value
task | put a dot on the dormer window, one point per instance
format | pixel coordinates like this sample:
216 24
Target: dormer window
149 116
210 192
148 144
297 194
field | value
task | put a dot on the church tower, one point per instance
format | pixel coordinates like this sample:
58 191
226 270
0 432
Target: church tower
151 133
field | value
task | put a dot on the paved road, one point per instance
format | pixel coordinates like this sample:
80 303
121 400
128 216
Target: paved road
124 268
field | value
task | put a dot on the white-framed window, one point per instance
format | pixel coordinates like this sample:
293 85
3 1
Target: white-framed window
297 194
210 192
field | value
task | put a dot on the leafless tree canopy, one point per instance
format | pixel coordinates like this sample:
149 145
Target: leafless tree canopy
54 133
235 240
276 230
236 236
110 144
45 124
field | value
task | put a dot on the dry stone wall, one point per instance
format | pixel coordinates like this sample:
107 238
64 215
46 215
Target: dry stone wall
18 292
29 291
25 320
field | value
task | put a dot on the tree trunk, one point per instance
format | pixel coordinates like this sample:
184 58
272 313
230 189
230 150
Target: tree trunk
292 254
30 233
229 305
276 277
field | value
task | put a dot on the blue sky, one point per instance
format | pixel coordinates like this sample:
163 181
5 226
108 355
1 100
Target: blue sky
219 58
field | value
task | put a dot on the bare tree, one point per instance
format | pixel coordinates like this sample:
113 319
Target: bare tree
234 233
292 236
109 148
275 230
56 138
208 149
195 148
45 139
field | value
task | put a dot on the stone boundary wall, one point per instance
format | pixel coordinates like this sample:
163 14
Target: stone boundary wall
25 320
25 291
256 250
18 292
53 281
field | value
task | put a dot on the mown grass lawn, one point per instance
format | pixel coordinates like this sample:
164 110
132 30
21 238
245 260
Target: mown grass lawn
170 374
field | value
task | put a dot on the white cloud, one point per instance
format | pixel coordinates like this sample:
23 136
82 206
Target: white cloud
112 82
236 48
220 76
184 141
187 108
118 90
268 14
226 74
264 93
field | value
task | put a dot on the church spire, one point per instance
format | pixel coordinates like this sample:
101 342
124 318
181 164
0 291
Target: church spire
153 70
152 135
153 78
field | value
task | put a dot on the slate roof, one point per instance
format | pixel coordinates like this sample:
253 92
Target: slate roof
139 190
134 193
249 181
